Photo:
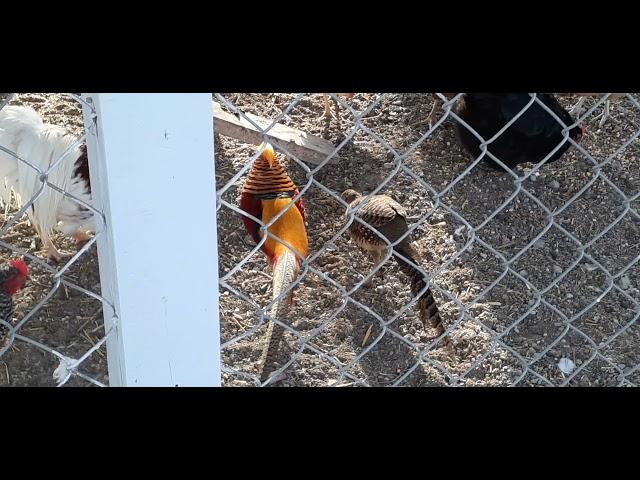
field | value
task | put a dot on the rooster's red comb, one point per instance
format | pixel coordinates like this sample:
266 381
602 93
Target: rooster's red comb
20 265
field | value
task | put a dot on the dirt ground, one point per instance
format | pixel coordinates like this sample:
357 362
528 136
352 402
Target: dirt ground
581 318
568 308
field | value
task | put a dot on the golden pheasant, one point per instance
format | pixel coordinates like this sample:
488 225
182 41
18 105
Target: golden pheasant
268 192
390 218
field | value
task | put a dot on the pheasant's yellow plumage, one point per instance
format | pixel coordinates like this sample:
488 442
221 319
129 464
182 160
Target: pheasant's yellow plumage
289 227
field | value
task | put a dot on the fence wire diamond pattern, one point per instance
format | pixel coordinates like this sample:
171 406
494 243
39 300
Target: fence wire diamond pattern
535 270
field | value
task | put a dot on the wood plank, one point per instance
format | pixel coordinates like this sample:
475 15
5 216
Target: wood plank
308 148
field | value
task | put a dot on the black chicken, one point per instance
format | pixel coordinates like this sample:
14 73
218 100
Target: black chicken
529 139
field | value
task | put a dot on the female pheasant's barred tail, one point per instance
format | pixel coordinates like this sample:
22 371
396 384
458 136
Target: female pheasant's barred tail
284 272
426 303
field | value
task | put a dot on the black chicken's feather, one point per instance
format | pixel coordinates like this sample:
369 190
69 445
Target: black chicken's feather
533 136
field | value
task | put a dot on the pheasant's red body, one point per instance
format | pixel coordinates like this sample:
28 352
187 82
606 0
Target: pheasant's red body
268 191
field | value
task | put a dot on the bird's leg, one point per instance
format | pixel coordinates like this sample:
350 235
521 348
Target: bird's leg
327 114
434 112
446 341
605 114
327 107
448 347
378 258
337 115
577 109
81 237
53 253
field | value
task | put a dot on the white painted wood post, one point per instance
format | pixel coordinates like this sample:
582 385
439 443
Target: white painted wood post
152 174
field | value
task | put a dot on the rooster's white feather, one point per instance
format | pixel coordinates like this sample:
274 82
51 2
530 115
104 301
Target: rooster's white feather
23 132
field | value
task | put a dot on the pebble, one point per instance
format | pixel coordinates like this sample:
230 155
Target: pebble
625 283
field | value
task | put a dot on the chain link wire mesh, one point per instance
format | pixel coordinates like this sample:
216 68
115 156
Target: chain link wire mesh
57 334
535 270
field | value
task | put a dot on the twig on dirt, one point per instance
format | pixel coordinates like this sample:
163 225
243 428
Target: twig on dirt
366 335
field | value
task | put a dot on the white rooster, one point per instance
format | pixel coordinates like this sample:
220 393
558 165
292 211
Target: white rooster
23 132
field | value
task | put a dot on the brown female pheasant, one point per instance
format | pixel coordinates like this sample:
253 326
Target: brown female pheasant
390 218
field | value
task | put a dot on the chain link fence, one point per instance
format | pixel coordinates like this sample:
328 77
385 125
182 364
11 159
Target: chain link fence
56 335
535 271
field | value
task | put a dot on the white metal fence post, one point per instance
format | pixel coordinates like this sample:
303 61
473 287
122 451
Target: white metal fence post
152 174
